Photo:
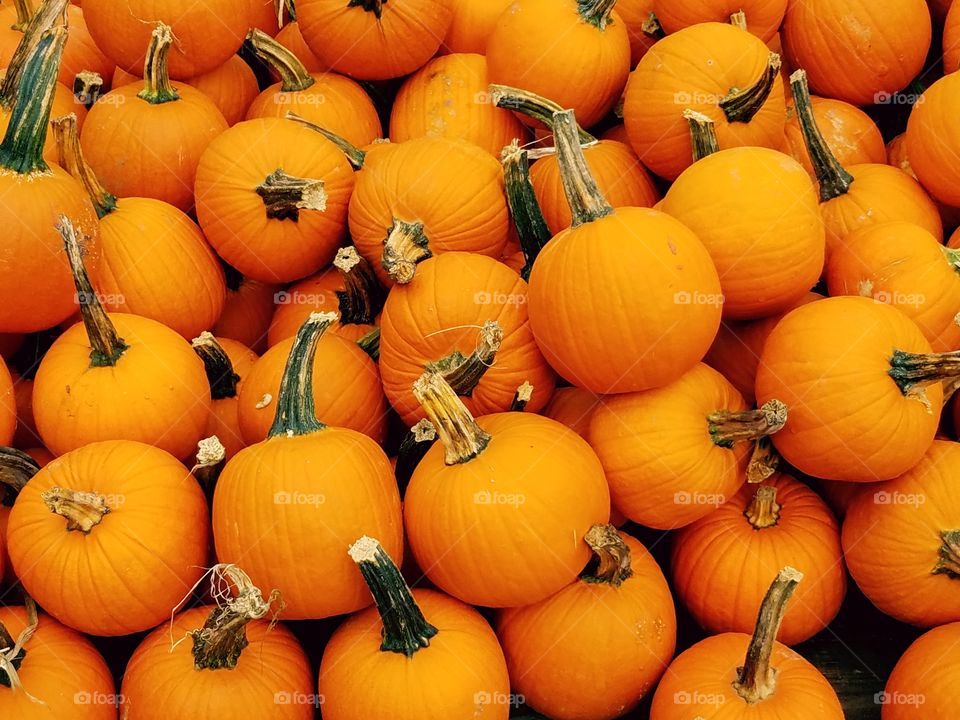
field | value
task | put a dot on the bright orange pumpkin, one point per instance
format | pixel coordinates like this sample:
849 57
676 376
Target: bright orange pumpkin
932 140
763 16
16 468
921 685
951 40
472 23
292 39
247 311
572 407
643 27
267 15
282 508
232 87
8 407
227 363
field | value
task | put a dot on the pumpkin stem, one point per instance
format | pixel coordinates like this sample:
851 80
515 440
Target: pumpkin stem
374 6
21 151
284 196
533 106
953 257
756 680
834 180
739 19
727 428
596 12
612 556
586 201
295 410
14 651
370 344
912 371
16 468
363 297
211 458
87 86
218 644
24 10
355 156
71 159
52 13
763 461
525 211
293 75
405 629
157 88
106 346
405 246
462 438
949 561
741 105
413 447
703 134
652 28
83 510
464 373
223 380
764 510
522 398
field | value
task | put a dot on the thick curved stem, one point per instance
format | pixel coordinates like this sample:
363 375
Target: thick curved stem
743 105
16 468
82 510
464 373
370 344
405 246
703 134
533 106
462 438
24 10
363 296
284 196
413 447
764 461
611 554
727 428
596 12
912 372
223 380
525 211
586 201
949 555
355 156
53 13
157 88
764 510
71 159
293 75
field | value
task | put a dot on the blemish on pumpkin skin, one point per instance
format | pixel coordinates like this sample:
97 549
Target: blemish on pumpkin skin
672 247
264 401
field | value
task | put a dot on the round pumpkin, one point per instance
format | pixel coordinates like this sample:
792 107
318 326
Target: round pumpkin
16 468
643 27
292 39
246 311
763 16
573 407
932 140
921 684
227 363
75 519
472 23
625 604
232 87
8 406
951 40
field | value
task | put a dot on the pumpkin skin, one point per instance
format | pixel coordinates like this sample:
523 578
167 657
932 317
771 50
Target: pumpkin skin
620 176
448 98
232 87
472 23
208 32
763 16
810 363
8 407
152 497
292 39
439 314
224 421
892 540
921 684
572 407
951 41
272 668
804 534
931 139
550 48
850 133
635 622
85 692
246 312
234 217
26 434
374 40
452 188
670 79
635 13
864 38
757 213
263 16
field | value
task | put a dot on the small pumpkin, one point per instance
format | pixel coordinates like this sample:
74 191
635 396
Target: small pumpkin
8 406
246 311
75 518
227 363
921 684
272 199
117 377
932 140
281 505
643 26
26 434
425 656
292 39
175 123
232 87
622 601
748 676
267 15
373 39
763 16
16 468
573 407
951 40
233 655
779 521
472 23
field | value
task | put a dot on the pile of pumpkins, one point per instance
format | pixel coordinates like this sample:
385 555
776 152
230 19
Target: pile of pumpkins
615 263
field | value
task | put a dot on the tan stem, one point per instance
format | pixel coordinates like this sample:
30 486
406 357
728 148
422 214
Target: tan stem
727 428
462 438
764 461
157 88
284 196
764 510
13 651
294 77
16 468
612 556
82 510
739 20
355 156
587 203
948 562
87 86
70 155
533 106
405 246
464 373
24 10
363 296
522 398
703 135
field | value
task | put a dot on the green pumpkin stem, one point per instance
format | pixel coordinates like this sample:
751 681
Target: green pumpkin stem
464 373
413 447
223 380
13 650
756 679
462 438
611 554
87 86
294 77
370 344
586 201
53 13
83 510
24 10
16 468
218 644
295 410
912 372
106 347
742 105
953 257
405 246
596 12
21 150
525 211
739 20
522 397
405 629
727 427
948 562
834 180
71 159
533 106
363 296
284 196
355 156
157 88
703 135
764 510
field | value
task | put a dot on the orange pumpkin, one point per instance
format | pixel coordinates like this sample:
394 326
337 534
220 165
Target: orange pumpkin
761 526
75 518
8 406
932 140
38 648
902 540
667 473
921 684
832 362
230 655
175 123
425 197
572 407
740 90
472 23
267 15
485 367
466 491
26 434
117 377
747 676
763 16
643 27
405 645
282 508
373 39
625 603
292 39
881 45
246 311
16 468
227 363
272 199
951 40
232 87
